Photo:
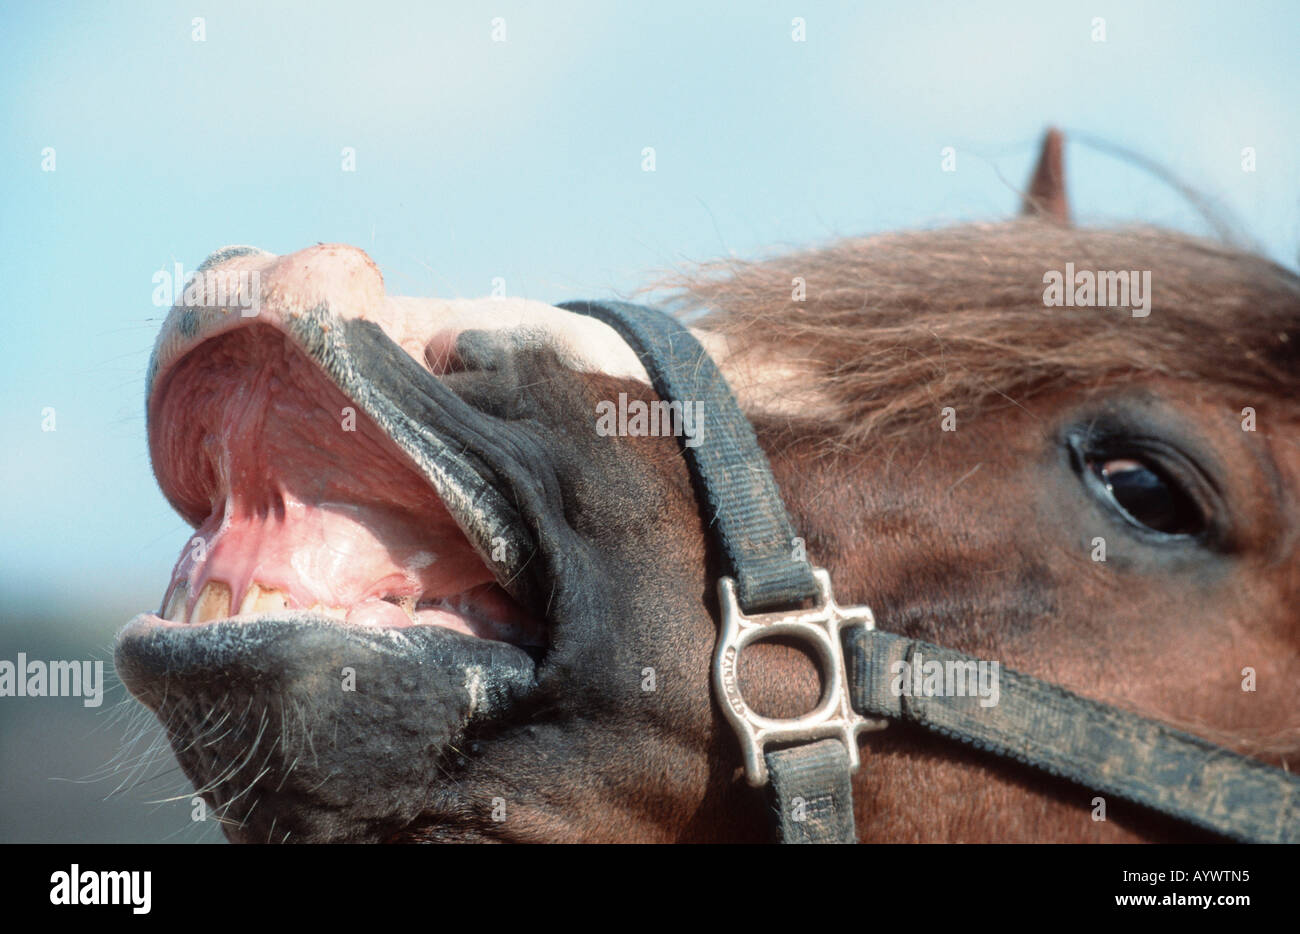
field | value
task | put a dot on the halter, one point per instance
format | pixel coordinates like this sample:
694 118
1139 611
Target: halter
771 590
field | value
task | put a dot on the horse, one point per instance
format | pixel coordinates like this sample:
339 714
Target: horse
452 578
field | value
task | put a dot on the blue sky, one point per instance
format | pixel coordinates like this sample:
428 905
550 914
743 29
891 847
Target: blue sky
522 159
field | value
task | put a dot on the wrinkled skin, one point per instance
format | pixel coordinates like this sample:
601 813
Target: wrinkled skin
612 555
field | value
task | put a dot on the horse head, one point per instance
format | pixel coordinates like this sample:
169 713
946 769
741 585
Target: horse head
451 579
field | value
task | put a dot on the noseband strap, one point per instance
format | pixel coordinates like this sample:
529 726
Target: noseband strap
1038 724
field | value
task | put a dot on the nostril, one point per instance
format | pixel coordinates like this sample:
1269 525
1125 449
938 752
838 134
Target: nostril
440 354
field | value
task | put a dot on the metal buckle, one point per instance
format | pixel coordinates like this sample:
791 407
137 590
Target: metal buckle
834 714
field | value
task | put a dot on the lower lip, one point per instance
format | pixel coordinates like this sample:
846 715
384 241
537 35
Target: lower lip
494 618
454 623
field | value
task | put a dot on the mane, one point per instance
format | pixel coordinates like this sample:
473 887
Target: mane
894 327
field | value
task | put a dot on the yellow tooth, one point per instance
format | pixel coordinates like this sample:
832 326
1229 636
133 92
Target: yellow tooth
213 602
175 608
408 604
259 599
249 603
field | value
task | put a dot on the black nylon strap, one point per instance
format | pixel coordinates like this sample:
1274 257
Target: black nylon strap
1094 745
731 473
812 791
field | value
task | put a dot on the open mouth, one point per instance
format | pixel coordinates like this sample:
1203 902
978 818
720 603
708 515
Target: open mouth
306 505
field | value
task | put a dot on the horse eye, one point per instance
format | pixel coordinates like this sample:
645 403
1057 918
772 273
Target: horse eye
1148 497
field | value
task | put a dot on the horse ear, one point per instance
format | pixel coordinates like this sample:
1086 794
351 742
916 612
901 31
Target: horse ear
1046 195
